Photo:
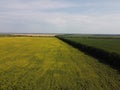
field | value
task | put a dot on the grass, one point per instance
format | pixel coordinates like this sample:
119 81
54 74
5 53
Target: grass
107 44
41 63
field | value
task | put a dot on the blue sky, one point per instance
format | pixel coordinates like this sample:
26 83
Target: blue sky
60 16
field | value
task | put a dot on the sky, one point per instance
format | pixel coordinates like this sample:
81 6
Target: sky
60 16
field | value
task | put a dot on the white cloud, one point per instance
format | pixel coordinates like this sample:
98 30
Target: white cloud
41 5
28 16
64 21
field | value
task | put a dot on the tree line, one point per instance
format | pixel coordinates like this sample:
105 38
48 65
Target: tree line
112 59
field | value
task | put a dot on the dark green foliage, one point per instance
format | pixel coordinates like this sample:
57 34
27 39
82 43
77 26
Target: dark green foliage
112 59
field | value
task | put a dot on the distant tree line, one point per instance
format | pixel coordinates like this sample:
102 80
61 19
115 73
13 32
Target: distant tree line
10 35
112 59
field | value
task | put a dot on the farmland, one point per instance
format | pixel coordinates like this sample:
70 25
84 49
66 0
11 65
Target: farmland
105 48
107 44
47 63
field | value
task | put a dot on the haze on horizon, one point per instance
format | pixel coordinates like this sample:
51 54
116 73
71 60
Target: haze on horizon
60 16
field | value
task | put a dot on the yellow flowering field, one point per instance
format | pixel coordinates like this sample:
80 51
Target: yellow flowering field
46 63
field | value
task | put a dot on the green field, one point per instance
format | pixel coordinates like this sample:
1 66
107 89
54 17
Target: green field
44 63
107 44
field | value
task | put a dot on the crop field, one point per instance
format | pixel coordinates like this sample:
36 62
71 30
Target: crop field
47 63
107 44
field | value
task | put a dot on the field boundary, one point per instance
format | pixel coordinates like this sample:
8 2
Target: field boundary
112 59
